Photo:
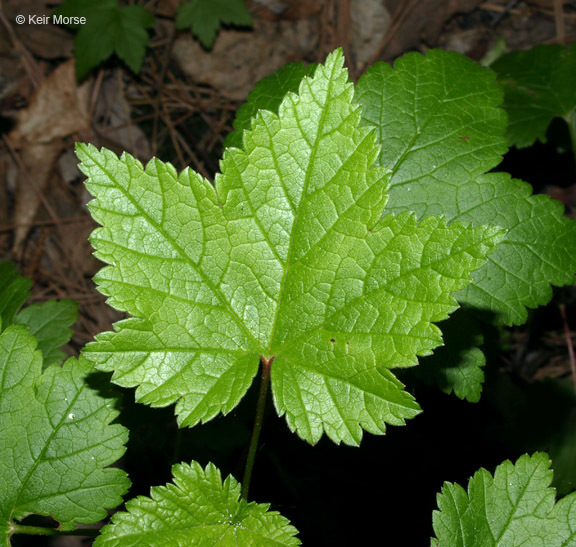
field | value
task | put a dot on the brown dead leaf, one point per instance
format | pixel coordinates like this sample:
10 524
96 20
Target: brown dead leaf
36 164
274 10
370 21
239 59
57 109
415 22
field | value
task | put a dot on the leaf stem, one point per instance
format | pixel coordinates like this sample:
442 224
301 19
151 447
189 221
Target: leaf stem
266 364
42 531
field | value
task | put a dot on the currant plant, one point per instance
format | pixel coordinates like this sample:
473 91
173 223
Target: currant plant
516 506
287 260
204 17
56 440
345 223
109 28
539 85
112 28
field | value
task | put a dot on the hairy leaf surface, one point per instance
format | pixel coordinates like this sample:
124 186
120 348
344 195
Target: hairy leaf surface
514 507
197 509
204 17
539 85
55 438
288 259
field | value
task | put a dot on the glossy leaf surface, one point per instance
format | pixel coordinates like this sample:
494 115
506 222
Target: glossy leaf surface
55 439
513 507
288 258
197 508
441 131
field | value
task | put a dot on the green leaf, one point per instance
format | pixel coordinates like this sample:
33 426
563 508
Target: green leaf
48 323
563 454
14 291
204 17
55 438
457 366
287 259
267 95
514 507
440 129
197 509
109 29
539 85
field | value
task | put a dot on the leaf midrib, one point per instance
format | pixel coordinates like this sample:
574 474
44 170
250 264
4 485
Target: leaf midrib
178 249
47 443
297 215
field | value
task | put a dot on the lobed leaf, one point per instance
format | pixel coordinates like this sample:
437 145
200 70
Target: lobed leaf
55 439
288 259
514 507
109 28
440 129
14 291
457 366
539 85
48 323
197 509
204 17
267 95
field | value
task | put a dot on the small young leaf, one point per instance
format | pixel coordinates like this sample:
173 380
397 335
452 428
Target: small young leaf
514 507
539 85
267 95
109 29
55 439
440 129
14 291
287 259
197 509
457 366
48 323
204 17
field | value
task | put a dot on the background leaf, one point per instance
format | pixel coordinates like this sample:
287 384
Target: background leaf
457 365
109 29
197 509
55 438
204 17
48 323
440 129
514 507
14 291
539 85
